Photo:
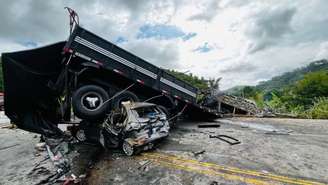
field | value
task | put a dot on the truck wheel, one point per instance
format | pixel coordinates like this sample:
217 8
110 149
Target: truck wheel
88 102
125 96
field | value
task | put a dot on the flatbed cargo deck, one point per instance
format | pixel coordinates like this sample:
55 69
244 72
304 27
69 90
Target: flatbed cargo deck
88 46
92 77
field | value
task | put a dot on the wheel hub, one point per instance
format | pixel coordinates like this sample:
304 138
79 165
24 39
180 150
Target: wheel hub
127 148
80 135
91 101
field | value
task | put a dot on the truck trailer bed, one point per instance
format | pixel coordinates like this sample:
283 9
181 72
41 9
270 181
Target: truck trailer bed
88 46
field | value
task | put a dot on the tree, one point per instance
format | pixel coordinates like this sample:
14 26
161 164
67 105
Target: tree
200 83
319 110
214 85
311 86
249 91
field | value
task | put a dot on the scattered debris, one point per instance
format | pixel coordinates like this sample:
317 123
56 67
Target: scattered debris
244 126
279 132
144 165
10 146
267 129
208 132
154 181
237 105
214 183
209 125
60 162
222 138
11 126
51 179
40 146
37 165
198 152
37 154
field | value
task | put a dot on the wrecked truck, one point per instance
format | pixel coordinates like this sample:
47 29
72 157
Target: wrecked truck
138 125
88 77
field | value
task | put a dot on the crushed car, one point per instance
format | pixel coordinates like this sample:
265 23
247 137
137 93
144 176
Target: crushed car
136 126
81 80
88 76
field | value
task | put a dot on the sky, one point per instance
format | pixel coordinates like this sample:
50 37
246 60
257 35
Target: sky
242 41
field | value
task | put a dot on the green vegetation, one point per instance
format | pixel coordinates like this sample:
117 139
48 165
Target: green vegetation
303 92
319 110
200 83
203 85
290 78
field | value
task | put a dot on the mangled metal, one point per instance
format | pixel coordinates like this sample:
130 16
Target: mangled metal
87 77
137 125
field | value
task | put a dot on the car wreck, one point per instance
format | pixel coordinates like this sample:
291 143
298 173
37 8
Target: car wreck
137 125
88 77
84 81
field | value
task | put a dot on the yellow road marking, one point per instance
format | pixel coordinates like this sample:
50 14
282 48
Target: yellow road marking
212 173
239 171
231 173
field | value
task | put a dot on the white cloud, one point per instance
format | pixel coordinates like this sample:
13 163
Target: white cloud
322 52
249 40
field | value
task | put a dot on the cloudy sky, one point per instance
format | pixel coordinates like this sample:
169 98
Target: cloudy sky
243 41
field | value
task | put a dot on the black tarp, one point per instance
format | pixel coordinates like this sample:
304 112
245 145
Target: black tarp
29 101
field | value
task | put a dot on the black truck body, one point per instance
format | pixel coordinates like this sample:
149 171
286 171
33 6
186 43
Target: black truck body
90 47
152 79
36 79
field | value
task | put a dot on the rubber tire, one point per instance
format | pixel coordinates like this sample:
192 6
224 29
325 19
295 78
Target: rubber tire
83 113
125 95
131 148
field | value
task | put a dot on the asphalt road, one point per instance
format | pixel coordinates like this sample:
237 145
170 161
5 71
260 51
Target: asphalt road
272 151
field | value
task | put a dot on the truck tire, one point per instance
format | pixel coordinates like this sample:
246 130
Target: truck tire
88 102
125 96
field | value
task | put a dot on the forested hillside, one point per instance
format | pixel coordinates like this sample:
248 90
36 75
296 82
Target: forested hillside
291 77
302 92
283 80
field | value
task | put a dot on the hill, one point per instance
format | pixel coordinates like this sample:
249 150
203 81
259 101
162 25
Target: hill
284 80
289 78
235 90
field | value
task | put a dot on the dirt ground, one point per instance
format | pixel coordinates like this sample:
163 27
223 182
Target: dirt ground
272 151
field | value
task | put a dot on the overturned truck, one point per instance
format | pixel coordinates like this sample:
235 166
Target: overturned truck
91 77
